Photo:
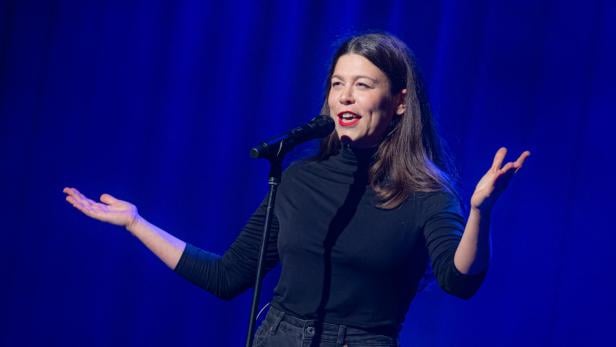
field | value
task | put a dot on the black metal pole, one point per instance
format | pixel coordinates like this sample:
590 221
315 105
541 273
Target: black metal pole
274 180
274 151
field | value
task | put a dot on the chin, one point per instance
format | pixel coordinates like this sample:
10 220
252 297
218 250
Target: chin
345 137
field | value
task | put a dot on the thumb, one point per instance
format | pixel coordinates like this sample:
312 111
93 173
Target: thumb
108 199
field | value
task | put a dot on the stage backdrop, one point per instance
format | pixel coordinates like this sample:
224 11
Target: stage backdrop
158 103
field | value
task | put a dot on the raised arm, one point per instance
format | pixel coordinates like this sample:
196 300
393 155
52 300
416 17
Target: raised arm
122 213
473 253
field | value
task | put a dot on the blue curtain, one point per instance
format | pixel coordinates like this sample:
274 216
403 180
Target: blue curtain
158 103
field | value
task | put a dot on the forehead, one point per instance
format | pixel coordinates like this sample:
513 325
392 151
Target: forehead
354 65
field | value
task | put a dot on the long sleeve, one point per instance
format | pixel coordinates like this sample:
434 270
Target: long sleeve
228 275
443 230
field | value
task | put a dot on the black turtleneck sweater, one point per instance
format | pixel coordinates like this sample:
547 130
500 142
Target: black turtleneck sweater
343 260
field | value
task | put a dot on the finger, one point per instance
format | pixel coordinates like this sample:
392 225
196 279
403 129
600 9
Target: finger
78 193
69 191
80 199
499 157
75 193
78 202
80 205
506 168
85 200
520 161
71 200
108 199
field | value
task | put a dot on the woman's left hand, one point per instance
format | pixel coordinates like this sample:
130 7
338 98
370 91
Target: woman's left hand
494 182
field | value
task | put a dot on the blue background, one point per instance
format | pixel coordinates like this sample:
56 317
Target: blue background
158 103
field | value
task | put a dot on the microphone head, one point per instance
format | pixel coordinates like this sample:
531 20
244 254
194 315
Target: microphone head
317 127
257 151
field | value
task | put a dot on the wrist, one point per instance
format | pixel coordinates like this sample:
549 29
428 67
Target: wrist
479 211
132 225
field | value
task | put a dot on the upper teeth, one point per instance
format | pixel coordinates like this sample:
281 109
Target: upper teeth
348 116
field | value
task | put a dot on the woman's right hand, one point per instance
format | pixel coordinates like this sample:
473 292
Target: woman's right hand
110 209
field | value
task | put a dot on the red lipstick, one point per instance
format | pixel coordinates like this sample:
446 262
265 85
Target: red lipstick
348 118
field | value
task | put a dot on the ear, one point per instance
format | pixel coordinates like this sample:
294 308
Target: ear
400 100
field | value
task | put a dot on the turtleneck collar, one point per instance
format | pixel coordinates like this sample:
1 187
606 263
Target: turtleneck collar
350 165
359 157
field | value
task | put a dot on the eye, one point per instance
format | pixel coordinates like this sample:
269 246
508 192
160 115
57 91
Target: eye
336 83
363 85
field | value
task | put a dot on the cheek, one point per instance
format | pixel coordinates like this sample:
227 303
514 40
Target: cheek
383 113
379 123
331 98
386 104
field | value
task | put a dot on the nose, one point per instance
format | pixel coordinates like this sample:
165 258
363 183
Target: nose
346 96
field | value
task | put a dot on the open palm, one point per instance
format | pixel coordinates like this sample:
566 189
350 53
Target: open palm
110 209
495 181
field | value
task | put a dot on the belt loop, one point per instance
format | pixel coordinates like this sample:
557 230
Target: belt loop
276 322
341 334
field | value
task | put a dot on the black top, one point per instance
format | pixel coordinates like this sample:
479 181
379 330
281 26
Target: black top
343 260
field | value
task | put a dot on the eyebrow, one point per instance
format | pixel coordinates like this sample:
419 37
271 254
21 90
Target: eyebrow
356 77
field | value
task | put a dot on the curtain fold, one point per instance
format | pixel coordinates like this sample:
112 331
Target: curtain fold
159 102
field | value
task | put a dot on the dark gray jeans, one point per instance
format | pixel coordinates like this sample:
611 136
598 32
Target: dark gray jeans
280 329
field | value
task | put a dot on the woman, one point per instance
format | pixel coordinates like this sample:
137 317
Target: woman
355 227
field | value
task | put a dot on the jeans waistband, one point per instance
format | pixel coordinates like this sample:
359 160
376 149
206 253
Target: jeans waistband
312 326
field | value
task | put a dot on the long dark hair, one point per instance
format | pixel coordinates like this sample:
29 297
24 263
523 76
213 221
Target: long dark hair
410 158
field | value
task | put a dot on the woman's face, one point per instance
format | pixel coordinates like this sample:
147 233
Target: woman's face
360 101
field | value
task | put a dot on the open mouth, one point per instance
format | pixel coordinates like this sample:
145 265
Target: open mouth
347 118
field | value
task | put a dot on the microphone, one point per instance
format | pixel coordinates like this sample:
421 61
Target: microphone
319 126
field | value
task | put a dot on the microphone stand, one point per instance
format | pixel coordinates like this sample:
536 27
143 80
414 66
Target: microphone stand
274 180
274 152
